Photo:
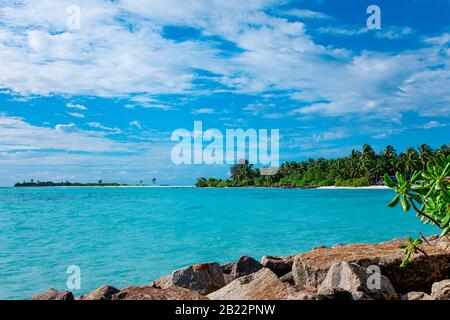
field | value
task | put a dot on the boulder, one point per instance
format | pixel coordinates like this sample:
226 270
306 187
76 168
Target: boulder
358 295
288 278
102 293
228 267
53 294
162 282
150 293
279 265
202 278
441 290
334 294
310 269
415 295
262 285
245 266
352 278
228 278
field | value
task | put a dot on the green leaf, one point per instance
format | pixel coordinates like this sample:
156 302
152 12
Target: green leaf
388 181
405 203
394 201
445 195
400 178
416 176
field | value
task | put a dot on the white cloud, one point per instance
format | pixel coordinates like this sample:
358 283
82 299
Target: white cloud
306 14
18 135
76 106
203 111
76 115
331 135
98 125
40 56
432 124
136 124
438 40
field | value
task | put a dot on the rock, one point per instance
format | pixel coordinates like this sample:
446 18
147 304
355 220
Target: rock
202 278
310 269
442 243
245 266
279 265
262 285
358 295
228 267
334 294
228 278
150 293
162 282
102 293
415 295
353 278
53 294
441 290
288 278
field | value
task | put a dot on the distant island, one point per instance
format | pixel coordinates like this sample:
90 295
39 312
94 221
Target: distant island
67 184
358 169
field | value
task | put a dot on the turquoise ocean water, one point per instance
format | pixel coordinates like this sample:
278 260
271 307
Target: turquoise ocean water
130 236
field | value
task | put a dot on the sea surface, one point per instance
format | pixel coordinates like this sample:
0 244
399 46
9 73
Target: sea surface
130 236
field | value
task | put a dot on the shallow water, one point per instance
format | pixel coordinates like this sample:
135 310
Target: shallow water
130 236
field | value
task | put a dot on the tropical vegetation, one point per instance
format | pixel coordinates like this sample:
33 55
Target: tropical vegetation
360 168
427 192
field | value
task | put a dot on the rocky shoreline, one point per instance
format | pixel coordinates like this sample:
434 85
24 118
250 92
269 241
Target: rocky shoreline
342 272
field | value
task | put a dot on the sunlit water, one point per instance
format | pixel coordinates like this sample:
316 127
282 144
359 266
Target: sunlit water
130 236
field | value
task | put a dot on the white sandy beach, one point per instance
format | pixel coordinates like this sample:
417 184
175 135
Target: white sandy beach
358 188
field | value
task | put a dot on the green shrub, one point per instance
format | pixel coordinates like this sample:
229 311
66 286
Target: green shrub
427 192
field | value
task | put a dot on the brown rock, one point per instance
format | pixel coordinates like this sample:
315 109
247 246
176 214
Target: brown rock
334 294
279 265
53 294
441 290
288 278
162 282
352 278
150 293
202 278
262 285
245 266
102 293
415 295
228 278
310 269
228 267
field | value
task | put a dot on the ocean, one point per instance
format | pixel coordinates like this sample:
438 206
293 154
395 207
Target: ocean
131 236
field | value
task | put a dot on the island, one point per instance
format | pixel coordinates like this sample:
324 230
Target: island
100 183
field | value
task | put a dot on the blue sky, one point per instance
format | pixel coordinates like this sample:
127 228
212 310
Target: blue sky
101 102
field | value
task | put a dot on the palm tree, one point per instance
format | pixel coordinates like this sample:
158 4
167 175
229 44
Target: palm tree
411 161
425 154
390 159
242 171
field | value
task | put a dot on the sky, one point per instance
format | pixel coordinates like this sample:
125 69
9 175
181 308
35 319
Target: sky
100 99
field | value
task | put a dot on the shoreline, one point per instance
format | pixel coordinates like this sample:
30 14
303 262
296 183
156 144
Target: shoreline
356 188
195 187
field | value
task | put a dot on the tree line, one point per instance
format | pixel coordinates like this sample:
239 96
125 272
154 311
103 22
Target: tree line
360 168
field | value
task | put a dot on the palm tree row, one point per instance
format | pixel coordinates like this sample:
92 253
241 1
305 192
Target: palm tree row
365 167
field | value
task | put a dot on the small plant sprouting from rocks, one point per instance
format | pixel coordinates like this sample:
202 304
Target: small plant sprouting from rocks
410 248
427 192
